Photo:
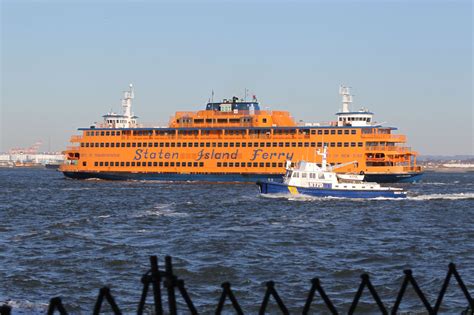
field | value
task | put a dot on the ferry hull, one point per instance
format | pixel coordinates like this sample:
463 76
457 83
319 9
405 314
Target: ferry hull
280 188
171 176
380 178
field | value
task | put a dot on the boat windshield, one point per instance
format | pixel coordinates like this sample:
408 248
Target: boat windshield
288 173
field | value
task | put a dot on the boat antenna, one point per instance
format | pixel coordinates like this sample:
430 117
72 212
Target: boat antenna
245 94
212 96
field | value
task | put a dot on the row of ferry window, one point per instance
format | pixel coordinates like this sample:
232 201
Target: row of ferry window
166 164
230 132
215 144
248 164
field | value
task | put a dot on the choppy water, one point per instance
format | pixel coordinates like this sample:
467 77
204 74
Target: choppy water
69 238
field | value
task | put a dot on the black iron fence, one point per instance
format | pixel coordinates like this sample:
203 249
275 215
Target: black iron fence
162 281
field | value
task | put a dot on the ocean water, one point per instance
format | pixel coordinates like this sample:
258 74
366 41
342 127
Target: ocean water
68 238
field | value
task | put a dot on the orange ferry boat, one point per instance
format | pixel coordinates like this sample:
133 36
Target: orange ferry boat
234 140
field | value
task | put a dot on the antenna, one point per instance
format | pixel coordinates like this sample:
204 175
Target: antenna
345 92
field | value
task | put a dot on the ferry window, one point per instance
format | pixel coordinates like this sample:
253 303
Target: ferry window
172 145
313 132
219 164
190 164
339 132
320 132
255 144
101 144
339 144
201 164
208 120
139 163
267 164
190 144
226 144
303 175
346 144
306 144
237 164
145 144
112 144
213 144
171 163
102 133
264 120
250 144
166 164
117 144
160 164
134 144
255 164
196 144
280 144
231 144
122 163
112 133
106 163
127 163
237 144
293 144
353 144
249 164
117 163
262 164
150 144
326 132
280 164
178 145
219 144
320 144
178 164
101 163
313 144
274 165
333 132
262 144
295 174
117 133
300 144
275 144
161 144
231 164
155 163
156 145
353 132
106 144
225 164
333 144
167 144
208 144
149 163
195 164
82 144
128 144
93 144
96 163
359 144
287 144
107 133
312 175
346 132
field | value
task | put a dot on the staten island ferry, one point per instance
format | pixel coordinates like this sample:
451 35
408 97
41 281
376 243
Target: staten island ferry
235 140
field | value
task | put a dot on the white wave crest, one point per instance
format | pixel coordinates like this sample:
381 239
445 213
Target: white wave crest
443 196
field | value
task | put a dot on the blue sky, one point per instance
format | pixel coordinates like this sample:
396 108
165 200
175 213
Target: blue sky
64 64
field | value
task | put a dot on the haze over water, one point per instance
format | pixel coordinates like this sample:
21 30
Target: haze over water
69 238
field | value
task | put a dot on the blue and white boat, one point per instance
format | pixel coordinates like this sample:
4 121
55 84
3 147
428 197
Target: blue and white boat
311 179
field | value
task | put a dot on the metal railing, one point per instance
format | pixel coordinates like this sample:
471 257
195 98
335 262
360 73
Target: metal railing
162 281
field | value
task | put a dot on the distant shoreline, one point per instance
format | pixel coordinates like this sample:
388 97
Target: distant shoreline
448 169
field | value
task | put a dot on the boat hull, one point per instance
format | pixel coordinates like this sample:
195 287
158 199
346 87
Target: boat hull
268 188
380 178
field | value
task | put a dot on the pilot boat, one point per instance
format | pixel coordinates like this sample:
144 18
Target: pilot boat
311 179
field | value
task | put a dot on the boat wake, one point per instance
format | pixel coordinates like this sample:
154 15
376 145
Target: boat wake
442 196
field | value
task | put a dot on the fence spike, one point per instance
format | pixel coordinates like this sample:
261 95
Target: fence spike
227 292
186 297
170 283
366 283
409 279
105 292
316 286
452 271
56 304
271 291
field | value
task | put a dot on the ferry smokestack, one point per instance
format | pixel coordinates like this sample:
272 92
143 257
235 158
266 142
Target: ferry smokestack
345 92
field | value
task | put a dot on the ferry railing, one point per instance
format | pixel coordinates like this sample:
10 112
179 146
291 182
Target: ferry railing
166 287
72 148
397 138
388 148
76 138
